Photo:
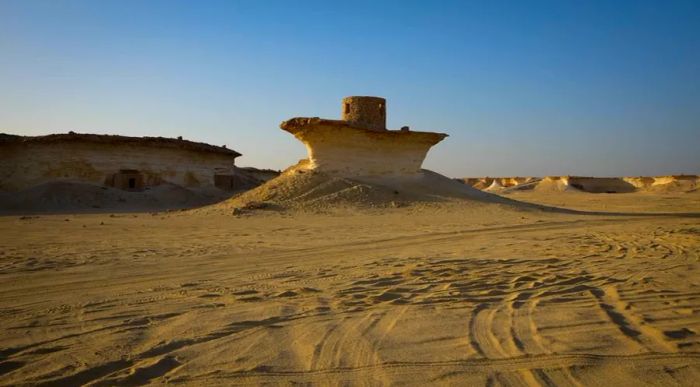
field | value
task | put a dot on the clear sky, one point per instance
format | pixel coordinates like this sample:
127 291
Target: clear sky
523 88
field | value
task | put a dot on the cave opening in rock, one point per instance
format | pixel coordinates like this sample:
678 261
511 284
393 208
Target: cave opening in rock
127 180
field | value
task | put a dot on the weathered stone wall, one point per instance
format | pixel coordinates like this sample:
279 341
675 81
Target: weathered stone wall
26 165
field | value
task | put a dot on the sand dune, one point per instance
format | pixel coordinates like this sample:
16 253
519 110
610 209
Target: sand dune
297 188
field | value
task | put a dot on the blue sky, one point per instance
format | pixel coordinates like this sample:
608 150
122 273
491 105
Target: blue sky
523 88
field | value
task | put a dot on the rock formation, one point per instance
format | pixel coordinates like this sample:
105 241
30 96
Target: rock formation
495 186
357 162
359 144
128 163
66 172
659 184
484 183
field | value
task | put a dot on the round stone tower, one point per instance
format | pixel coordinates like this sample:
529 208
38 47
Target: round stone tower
365 112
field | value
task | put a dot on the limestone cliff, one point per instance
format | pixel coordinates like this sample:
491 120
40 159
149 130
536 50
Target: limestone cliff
107 160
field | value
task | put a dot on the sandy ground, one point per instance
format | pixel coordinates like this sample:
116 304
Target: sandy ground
450 294
639 202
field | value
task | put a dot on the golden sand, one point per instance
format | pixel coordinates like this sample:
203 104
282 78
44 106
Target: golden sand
463 294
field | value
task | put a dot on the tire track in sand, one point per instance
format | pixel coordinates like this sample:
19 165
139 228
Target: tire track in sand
630 325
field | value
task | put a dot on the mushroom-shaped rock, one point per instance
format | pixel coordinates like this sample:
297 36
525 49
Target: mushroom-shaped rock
359 145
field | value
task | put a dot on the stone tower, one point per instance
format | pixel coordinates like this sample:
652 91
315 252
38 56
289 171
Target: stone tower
365 112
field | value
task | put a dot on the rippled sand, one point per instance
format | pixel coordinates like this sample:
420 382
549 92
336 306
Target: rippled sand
456 294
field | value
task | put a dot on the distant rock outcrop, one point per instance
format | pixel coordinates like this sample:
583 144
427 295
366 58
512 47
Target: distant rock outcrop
660 184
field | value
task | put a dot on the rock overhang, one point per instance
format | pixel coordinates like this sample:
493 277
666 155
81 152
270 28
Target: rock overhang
359 144
302 127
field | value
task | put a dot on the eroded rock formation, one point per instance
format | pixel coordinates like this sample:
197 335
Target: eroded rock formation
356 162
359 144
129 163
673 183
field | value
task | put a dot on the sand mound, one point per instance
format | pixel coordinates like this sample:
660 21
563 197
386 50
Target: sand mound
303 189
62 196
73 196
248 177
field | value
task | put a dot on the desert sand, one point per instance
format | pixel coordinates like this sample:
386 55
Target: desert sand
355 266
461 292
